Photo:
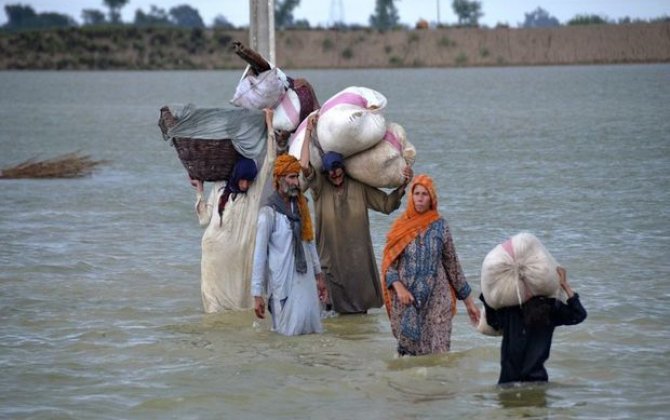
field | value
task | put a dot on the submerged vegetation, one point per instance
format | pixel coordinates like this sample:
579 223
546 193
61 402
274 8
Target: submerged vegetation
70 165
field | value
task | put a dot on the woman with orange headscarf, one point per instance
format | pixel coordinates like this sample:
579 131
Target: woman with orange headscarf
422 277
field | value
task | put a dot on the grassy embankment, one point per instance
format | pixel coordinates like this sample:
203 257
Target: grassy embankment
132 48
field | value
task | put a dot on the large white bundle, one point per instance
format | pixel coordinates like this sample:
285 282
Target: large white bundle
286 114
351 121
517 270
382 165
261 91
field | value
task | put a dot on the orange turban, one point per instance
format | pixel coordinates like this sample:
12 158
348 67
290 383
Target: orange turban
284 165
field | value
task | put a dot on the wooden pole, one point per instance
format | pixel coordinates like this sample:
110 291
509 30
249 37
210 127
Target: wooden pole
262 28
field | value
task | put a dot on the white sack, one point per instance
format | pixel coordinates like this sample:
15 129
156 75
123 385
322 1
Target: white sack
351 121
262 91
484 327
517 270
382 166
286 114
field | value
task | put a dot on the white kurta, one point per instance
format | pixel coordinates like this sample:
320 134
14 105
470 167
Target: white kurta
228 243
292 296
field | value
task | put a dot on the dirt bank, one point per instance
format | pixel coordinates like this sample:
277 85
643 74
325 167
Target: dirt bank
163 48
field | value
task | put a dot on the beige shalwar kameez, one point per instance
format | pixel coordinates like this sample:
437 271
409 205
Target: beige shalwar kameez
344 242
228 241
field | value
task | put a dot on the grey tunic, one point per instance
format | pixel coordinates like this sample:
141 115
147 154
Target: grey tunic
344 242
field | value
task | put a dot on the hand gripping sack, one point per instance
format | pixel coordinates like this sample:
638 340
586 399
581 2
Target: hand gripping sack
351 121
261 91
297 103
484 327
382 165
517 270
296 140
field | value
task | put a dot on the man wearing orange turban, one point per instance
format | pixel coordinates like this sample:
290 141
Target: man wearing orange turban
286 263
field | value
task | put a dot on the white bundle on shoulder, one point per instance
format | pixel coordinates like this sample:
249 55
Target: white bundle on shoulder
286 114
517 270
352 121
264 90
382 165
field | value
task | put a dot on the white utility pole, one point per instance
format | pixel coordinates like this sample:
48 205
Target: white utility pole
262 28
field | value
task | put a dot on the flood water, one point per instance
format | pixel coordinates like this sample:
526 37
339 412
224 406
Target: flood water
99 276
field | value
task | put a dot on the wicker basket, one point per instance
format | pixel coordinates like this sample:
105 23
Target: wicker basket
204 159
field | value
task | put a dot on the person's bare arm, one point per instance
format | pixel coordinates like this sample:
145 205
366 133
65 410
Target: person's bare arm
563 281
404 296
259 307
473 310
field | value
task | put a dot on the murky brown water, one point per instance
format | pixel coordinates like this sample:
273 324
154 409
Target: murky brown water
100 300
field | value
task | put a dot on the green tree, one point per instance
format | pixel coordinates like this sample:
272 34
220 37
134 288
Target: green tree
115 7
540 18
301 24
587 20
155 17
24 17
385 16
284 13
19 15
92 17
220 21
187 17
54 20
468 12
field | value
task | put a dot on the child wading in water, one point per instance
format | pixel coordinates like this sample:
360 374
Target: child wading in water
528 329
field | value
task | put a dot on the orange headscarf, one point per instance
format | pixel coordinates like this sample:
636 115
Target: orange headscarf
406 228
287 164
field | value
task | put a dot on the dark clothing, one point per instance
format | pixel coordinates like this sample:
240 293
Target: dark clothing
525 348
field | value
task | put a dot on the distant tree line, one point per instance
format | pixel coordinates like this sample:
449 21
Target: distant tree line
385 17
540 18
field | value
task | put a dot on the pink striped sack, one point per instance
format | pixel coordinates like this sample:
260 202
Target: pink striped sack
517 270
382 165
286 114
351 121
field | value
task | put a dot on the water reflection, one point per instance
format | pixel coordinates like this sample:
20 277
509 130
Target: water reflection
523 395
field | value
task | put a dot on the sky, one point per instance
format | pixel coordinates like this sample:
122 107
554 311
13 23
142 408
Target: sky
323 12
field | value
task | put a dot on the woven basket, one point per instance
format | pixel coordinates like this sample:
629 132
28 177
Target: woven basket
204 159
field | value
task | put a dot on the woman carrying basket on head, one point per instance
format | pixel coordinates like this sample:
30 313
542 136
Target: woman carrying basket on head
227 245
